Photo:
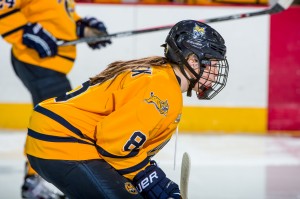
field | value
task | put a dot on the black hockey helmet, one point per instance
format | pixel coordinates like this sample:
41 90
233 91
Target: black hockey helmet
193 37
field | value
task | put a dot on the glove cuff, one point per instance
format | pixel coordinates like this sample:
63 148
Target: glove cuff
80 25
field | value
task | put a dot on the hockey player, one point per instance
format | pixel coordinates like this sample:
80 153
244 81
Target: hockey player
33 28
97 140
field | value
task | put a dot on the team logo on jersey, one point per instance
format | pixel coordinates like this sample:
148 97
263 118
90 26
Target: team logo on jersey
161 106
198 31
130 188
141 70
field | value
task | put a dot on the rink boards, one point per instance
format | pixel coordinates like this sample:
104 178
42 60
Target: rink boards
257 98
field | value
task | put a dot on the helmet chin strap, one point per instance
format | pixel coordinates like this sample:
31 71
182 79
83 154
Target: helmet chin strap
183 62
192 81
191 86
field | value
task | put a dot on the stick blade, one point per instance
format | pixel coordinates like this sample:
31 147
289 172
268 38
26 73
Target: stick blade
185 175
285 3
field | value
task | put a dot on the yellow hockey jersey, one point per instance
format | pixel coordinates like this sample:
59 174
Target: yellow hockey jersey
56 16
125 120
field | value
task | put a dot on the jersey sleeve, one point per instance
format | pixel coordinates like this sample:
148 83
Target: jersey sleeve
12 20
127 137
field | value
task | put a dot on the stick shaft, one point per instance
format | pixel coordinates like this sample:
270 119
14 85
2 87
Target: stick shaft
278 7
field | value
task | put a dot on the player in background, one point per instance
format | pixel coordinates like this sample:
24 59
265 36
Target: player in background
97 140
33 27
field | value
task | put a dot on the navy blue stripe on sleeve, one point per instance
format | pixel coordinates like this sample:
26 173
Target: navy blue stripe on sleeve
107 154
62 121
9 13
51 138
69 126
12 31
134 168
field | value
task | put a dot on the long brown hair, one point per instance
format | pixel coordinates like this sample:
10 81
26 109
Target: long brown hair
117 67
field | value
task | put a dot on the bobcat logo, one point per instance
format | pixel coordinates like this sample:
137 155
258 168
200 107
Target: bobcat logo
130 188
198 31
161 106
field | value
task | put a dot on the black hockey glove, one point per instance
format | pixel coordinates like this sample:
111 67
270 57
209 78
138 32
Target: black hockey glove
34 36
152 183
94 28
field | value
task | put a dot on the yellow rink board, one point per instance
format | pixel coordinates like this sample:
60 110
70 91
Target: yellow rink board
14 116
224 120
194 119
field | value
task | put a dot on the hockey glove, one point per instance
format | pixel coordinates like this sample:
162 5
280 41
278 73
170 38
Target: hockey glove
34 36
89 27
152 183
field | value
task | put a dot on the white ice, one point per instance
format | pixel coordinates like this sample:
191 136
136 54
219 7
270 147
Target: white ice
223 166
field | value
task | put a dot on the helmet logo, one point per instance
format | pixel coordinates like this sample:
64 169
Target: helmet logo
161 106
198 31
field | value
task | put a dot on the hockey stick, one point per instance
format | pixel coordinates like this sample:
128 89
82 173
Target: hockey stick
185 175
280 6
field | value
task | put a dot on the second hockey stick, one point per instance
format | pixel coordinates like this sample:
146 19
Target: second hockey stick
185 175
280 6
